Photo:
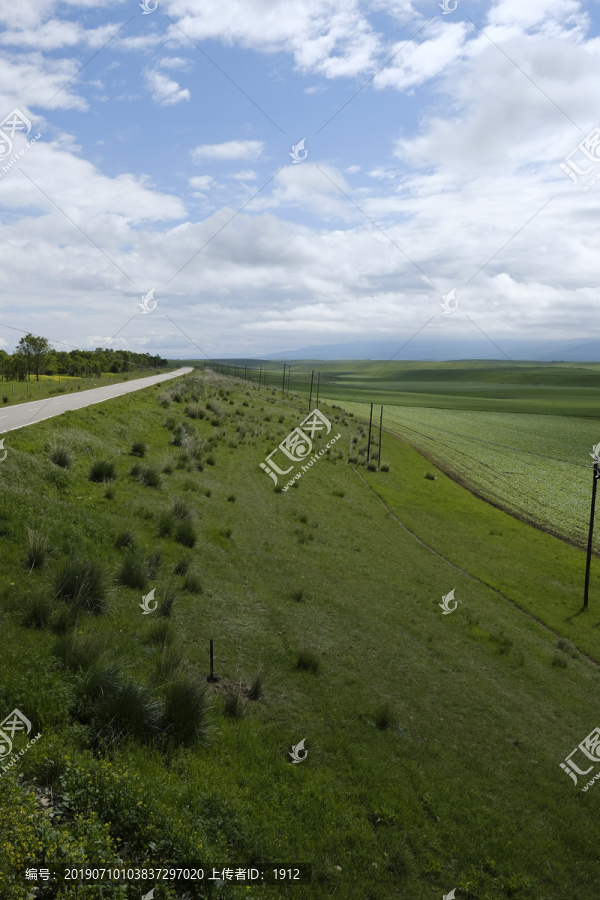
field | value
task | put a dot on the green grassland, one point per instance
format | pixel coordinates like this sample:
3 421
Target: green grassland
434 741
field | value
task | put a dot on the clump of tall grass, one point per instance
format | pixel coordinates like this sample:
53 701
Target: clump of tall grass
192 583
308 661
384 716
134 569
125 538
166 523
168 601
233 703
61 455
138 448
168 662
78 652
185 534
83 582
102 470
37 612
256 688
129 710
37 550
186 711
161 633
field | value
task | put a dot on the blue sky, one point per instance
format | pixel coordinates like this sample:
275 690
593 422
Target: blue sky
433 143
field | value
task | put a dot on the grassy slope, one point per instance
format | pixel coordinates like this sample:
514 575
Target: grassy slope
465 790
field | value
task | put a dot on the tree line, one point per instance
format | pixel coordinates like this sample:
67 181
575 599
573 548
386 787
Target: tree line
34 356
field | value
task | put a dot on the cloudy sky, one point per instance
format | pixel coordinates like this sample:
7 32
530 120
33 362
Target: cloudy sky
438 151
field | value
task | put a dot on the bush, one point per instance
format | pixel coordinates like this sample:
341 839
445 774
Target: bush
429 476
182 566
138 448
100 680
298 595
37 612
102 470
166 523
372 467
61 455
185 534
37 550
125 538
109 492
134 570
210 460
385 467
308 661
559 661
338 493
384 716
233 703
194 411
185 717
84 582
192 583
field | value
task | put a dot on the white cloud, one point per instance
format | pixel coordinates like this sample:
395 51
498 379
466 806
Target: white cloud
228 150
245 175
201 182
165 91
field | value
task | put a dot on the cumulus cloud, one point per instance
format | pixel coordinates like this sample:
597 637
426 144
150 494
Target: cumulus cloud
228 150
165 91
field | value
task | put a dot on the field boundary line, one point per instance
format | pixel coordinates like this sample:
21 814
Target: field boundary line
485 584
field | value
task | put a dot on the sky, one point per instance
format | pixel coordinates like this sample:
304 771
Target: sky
444 186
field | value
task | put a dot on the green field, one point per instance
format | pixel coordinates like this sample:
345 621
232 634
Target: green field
12 392
434 741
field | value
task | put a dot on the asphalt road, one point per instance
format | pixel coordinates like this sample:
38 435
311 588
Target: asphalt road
36 411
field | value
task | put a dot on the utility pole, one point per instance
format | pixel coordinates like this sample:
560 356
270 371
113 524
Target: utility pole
596 475
318 385
289 370
311 387
380 424
369 442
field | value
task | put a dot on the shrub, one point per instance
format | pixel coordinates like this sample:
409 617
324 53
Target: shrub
168 467
78 652
194 411
125 538
185 534
98 681
64 620
233 703
278 488
384 716
429 476
192 583
256 688
37 612
559 661
61 455
338 493
134 570
207 492
136 470
182 566
84 582
385 467
185 717
166 523
298 595
308 661
102 470
37 550
371 466
138 448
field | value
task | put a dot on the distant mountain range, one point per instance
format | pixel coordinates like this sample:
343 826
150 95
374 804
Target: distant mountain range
572 350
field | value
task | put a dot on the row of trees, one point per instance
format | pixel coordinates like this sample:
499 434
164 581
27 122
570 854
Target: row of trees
34 356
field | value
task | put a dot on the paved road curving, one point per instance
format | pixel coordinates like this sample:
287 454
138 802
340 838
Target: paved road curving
36 411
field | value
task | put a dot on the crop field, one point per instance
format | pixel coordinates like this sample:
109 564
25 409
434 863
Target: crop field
134 531
534 466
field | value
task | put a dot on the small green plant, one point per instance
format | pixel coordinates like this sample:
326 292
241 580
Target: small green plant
169 661
231 498
99 681
129 710
384 716
233 703
125 538
78 652
371 466
161 633
560 662
154 562
210 460
278 488
109 492
339 493
429 476
102 470
37 550
186 709
150 477
182 511
182 566
298 595
256 688
138 448
61 454
169 599
134 569
37 612
185 534
166 523
207 492
308 661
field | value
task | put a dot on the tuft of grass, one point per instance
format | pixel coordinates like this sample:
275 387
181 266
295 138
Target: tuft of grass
308 661
166 523
154 562
101 680
169 662
233 703
161 633
339 493
78 652
182 511
64 620
125 538
129 710
168 602
185 534
150 477
278 488
429 476
231 498
192 583
182 566
298 595
138 448
256 688
37 612
102 470
134 570
109 492
37 550
371 466
186 709
83 582
384 716
61 454
559 661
